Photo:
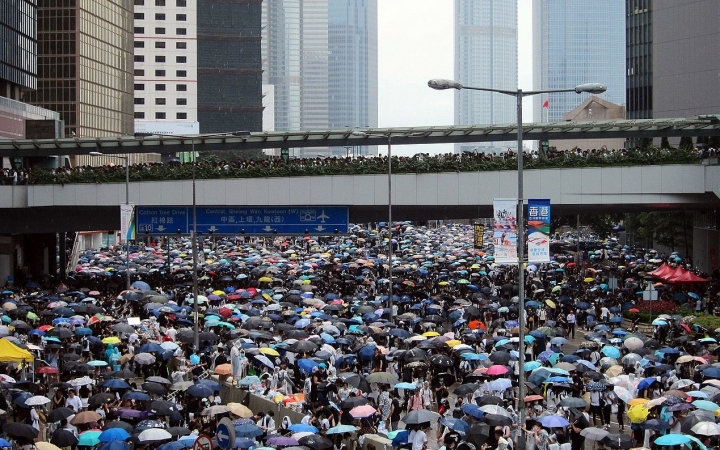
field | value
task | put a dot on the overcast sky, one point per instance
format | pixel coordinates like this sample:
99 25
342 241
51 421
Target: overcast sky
416 44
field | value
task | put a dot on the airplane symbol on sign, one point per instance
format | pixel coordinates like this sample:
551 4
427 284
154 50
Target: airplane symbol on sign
322 217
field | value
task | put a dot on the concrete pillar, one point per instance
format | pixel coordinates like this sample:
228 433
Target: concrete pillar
40 255
7 259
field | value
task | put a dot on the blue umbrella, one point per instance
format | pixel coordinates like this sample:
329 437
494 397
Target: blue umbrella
248 431
113 434
570 358
136 395
473 410
531 365
645 383
672 439
302 428
150 347
455 424
115 383
307 365
174 445
669 351
366 353
610 352
5 443
616 320
711 372
554 421
408 386
83 331
244 443
473 357
200 390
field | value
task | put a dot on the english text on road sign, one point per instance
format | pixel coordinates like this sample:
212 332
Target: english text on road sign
237 220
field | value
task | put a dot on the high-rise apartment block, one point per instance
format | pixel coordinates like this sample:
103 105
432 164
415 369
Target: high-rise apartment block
486 40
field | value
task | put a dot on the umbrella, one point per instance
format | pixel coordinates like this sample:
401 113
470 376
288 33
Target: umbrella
316 442
154 435
59 414
341 429
85 417
362 411
672 439
282 441
113 434
248 431
200 390
593 433
63 438
382 378
89 438
573 402
706 428
638 413
418 416
455 424
41 445
478 434
20 430
619 441
302 428
553 421
240 410
37 400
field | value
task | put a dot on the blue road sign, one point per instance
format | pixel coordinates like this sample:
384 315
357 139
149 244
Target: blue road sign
225 433
237 220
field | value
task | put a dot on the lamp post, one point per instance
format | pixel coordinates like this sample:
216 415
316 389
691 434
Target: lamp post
389 138
126 160
519 94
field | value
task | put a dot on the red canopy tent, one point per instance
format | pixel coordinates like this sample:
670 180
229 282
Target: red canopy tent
661 271
687 277
671 274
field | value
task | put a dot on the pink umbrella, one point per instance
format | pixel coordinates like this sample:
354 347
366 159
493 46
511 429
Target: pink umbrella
497 370
362 411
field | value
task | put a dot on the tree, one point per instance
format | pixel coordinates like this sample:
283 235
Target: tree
231 155
686 143
602 224
665 143
667 228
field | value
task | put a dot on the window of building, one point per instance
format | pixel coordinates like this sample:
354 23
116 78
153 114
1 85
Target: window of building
159 101
181 3
181 31
181 87
159 73
159 16
139 16
159 87
181 73
139 101
159 44
139 30
159 115
181 45
159 59
181 17
139 72
181 101
139 44
159 30
181 115
159 2
139 58
181 59
139 2
139 87
139 115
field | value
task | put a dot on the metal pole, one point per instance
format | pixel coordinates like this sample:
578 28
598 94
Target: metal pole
390 228
196 309
521 274
577 252
127 241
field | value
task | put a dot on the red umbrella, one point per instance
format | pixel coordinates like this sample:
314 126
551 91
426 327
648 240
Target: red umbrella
46 369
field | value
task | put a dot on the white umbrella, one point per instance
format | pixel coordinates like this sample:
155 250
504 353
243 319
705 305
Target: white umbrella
169 345
82 381
680 384
144 359
302 434
154 435
623 394
704 428
265 360
37 400
633 343
494 409
593 433
500 384
7 378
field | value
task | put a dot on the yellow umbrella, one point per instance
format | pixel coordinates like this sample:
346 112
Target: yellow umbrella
431 334
42 445
218 292
111 340
638 401
240 410
265 280
453 343
443 283
589 279
550 303
269 351
638 414
267 297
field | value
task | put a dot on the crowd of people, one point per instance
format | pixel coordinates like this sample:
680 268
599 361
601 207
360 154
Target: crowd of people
424 351
420 163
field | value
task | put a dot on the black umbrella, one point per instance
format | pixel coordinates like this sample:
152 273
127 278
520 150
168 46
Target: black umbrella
63 438
302 346
99 399
352 402
162 407
414 354
501 358
619 441
119 424
316 442
178 431
124 374
441 360
488 400
154 388
20 430
59 414
60 333
464 389
496 420
478 434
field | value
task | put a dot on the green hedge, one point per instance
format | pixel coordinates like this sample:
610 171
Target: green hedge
466 162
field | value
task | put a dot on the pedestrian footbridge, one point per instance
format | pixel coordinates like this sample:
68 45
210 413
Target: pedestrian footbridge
461 195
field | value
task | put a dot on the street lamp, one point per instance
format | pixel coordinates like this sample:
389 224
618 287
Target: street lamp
126 160
389 138
591 88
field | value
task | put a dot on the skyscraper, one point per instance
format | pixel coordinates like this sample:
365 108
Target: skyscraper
575 42
166 67
485 56
85 66
229 66
321 58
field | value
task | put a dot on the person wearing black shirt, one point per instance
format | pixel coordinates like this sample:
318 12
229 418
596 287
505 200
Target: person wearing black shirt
577 441
395 410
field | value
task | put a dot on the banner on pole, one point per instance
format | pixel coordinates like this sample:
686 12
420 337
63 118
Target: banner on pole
127 222
478 236
505 230
538 230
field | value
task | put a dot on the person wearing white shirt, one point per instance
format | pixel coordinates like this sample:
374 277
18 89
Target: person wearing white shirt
571 319
73 402
420 438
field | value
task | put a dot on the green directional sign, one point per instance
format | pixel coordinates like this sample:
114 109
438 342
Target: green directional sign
285 154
